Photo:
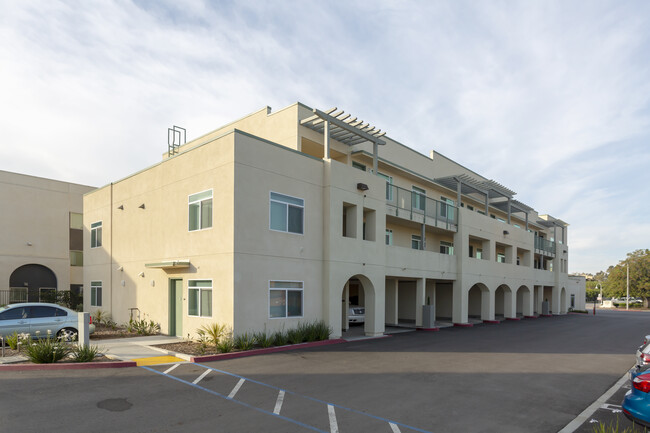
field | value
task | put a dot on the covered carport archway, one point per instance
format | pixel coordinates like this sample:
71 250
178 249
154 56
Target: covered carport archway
33 277
524 302
359 293
478 302
503 302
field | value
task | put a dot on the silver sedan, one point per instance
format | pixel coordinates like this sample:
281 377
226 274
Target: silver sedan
39 320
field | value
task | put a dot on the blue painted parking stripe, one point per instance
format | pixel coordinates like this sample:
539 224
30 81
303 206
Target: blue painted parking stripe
395 423
209 391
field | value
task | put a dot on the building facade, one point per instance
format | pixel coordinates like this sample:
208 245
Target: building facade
41 227
296 215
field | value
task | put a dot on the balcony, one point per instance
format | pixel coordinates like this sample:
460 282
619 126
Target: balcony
417 207
544 246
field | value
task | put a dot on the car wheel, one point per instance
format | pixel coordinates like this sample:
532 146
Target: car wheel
67 334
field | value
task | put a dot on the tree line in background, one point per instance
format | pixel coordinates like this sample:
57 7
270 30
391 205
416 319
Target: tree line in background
614 280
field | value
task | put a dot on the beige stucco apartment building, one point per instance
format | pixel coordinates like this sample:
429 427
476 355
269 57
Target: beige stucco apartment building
295 215
41 228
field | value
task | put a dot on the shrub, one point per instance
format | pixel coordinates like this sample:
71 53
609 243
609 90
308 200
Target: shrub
213 332
225 345
612 428
280 338
143 327
45 350
244 341
85 353
263 339
321 330
101 317
12 340
296 335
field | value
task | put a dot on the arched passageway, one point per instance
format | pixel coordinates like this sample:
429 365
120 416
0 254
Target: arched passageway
36 278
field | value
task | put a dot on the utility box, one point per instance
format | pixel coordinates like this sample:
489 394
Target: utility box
83 335
545 309
428 316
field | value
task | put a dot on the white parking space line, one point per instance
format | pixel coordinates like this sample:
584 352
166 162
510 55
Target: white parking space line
334 427
236 388
200 378
278 403
394 427
171 368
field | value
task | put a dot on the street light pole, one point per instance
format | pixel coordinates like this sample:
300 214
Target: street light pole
627 301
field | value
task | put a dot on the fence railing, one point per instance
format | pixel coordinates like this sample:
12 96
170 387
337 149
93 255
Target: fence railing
13 296
415 205
544 245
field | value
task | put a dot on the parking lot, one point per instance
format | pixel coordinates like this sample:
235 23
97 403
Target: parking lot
533 375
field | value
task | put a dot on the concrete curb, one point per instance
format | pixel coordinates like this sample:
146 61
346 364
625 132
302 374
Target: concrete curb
463 325
492 322
67 366
224 356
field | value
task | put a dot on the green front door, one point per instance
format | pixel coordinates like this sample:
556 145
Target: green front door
176 307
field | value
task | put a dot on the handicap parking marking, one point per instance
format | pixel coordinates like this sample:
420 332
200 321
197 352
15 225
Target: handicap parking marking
278 402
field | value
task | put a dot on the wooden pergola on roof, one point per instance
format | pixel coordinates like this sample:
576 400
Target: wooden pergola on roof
345 129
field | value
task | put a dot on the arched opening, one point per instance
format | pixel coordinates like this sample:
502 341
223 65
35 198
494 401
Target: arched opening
563 309
524 307
478 302
357 312
503 302
34 281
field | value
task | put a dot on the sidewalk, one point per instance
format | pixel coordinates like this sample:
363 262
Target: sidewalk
141 350
137 349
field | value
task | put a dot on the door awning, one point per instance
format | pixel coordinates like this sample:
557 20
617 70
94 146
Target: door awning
172 264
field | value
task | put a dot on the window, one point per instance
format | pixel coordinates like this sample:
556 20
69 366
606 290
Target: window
416 242
573 301
76 258
199 298
447 248
418 197
518 261
389 186
470 207
200 210
446 208
286 213
389 237
501 220
517 225
358 165
479 253
501 258
76 221
285 299
95 293
96 234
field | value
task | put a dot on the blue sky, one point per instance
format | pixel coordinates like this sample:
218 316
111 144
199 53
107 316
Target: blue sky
549 98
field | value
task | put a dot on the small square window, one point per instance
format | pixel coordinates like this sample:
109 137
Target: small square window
286 213
285 299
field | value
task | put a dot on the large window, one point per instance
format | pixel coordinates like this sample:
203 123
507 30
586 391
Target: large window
286 213
447 248
418 197
446 208
285 299
76 258
96 234
389 186
416 242
95 293
200 210
199 298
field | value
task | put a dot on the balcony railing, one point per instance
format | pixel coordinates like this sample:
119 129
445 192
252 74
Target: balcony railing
416 206
544 245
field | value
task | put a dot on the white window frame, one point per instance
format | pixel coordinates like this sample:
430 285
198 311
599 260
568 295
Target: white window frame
389 237
446 211
501 258
94 285
287 204
418 198
448 248
286 297
200 203
200 297
389 185
479 253
96 228
418 239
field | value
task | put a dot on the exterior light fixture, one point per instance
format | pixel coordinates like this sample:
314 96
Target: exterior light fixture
362 187
506 232
141 206
121 207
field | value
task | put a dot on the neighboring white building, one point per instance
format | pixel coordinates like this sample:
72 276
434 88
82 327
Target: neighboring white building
41 228
293 216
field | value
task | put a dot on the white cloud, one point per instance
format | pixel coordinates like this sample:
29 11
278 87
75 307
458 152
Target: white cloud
548 98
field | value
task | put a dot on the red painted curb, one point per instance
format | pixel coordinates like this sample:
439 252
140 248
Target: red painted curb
513 318
491 322
545 315
67 366
223 356
463 325
530 317
428 329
